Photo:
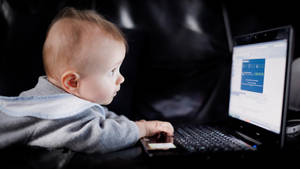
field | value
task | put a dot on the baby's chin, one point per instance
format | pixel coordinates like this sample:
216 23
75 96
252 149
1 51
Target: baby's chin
106 102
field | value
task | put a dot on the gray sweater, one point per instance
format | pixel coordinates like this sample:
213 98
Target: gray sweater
46 116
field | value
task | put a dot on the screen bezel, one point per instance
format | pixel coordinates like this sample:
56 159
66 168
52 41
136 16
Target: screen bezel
256 132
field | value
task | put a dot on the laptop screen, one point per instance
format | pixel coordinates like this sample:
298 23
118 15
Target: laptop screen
257 83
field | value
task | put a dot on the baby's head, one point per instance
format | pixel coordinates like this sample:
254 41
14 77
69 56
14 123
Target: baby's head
83 53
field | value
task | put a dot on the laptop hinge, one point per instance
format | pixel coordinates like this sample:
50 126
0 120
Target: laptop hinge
248 138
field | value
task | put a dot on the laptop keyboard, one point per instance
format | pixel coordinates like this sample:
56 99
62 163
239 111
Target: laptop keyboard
207 139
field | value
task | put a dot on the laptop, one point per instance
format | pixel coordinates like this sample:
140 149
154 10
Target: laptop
257 110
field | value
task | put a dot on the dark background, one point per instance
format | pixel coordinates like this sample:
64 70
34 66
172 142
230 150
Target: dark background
178 64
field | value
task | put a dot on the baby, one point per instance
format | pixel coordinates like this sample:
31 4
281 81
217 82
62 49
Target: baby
82 56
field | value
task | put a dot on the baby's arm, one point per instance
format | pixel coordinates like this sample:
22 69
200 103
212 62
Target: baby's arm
150 128
146 128
88 132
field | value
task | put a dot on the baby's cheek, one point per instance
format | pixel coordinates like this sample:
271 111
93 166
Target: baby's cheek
99 93
88 92
98 90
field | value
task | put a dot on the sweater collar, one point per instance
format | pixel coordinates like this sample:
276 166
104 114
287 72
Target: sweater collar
46 101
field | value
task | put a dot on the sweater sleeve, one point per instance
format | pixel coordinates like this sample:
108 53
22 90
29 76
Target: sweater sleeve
89 133
109 114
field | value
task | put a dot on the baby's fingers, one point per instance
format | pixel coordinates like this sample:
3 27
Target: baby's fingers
167 128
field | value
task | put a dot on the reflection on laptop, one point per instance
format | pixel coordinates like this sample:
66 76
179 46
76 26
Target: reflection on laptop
258 96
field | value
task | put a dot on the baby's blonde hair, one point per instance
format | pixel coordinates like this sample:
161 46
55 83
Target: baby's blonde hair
63 43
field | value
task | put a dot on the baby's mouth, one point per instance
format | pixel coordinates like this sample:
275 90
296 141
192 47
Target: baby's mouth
116 92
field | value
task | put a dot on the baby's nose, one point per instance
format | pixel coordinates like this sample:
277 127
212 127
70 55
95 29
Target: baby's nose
121 79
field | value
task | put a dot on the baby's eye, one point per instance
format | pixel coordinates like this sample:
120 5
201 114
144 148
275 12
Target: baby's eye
112 73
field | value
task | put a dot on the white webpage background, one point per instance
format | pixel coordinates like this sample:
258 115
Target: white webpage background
262 109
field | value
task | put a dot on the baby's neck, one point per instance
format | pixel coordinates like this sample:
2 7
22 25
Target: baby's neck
53 81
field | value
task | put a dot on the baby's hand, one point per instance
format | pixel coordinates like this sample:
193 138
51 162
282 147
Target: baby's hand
150 128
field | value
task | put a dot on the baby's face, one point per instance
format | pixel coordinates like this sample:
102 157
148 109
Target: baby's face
102 78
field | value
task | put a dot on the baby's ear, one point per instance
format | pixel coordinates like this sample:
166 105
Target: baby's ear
70 81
